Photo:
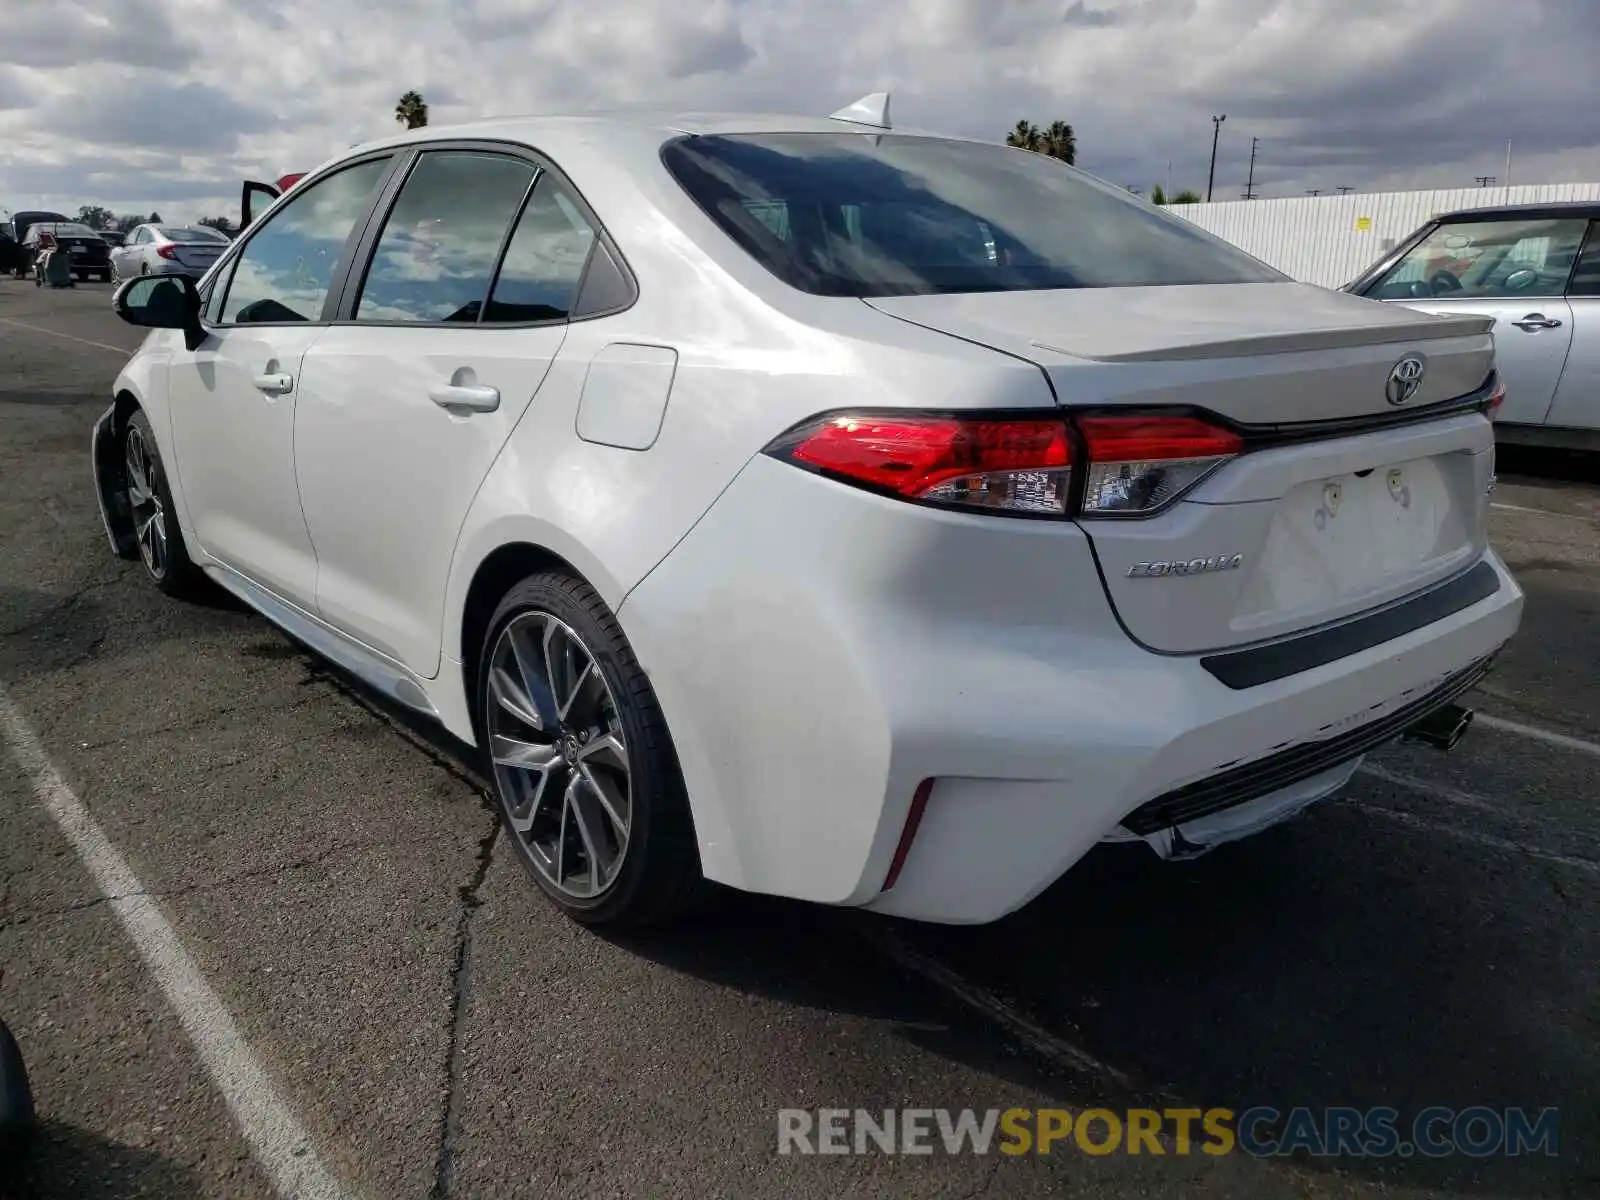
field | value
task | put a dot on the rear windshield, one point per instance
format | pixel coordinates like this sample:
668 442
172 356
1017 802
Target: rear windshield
64 229
190 233
859 214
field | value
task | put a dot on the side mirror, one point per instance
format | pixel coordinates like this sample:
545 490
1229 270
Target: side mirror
162 302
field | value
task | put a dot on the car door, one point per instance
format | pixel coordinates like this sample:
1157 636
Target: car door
408 400
232 400
1577 400
123 259
1514 269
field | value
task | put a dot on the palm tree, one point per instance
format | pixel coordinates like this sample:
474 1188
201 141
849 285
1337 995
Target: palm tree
1025 136
412 110
1060 142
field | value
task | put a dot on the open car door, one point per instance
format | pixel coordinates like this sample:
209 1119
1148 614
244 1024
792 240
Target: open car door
254 199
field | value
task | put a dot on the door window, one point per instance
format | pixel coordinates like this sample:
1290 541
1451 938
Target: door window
436 256
1498 260
544 262
287 267
1586 276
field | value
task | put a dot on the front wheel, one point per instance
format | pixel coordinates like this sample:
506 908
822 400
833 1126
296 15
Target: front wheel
585 777
155 524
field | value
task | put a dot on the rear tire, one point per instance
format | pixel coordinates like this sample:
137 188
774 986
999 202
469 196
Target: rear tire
155 523
586 781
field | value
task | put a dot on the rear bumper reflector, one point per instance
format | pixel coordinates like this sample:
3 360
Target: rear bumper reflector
1240 785
1240 669
919 802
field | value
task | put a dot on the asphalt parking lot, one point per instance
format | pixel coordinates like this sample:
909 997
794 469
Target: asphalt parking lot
1429 938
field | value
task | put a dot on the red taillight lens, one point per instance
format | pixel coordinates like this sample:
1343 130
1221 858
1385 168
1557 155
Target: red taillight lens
1140 464
167 251
1496 398
1017 466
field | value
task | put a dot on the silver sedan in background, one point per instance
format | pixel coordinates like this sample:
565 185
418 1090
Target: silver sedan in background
167 250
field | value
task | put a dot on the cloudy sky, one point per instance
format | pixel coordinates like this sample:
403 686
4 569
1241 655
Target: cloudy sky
168 104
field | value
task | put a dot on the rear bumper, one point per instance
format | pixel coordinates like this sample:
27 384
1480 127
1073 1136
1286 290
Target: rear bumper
819 652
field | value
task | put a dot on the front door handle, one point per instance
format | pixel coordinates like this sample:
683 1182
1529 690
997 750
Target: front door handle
472 397
1535 321
275 383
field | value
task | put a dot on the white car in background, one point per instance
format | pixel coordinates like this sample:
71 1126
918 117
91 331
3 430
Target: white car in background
167 250
875 518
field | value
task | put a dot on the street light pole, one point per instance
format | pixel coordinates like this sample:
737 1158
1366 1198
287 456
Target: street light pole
1216 132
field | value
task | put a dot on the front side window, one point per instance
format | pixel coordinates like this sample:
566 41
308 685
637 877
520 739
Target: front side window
1486 260
437 252
859 214
286 269
545 260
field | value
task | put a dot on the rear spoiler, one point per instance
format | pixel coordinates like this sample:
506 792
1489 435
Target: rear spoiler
256 197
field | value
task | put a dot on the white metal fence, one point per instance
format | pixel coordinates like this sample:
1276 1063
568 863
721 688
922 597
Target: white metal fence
1329 240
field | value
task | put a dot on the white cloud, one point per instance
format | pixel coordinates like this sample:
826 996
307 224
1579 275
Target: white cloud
135 103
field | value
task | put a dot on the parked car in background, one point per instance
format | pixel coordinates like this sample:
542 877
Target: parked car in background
1536 271
870 518
168 250
90 255
20 261
256 197
13 259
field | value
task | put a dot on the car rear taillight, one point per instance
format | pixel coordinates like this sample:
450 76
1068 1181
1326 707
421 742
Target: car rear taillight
1140 464
167 250
1496 398
1019 466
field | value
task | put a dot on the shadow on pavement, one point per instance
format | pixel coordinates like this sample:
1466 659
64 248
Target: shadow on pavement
64 1161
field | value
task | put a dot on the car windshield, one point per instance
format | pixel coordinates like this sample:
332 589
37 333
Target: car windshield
190 233
851 214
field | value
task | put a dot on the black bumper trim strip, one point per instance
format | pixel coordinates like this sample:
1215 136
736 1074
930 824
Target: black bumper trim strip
1240 669
1242 784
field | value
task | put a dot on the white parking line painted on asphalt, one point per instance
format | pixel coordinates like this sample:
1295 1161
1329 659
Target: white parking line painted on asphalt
68 337
276 1137
1428 788
1544 512
1042 1041
1477 838
1548 736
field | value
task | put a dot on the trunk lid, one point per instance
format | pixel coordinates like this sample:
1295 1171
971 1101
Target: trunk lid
197 256
1297 531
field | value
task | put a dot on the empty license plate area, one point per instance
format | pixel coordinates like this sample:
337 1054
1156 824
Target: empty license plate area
1348 541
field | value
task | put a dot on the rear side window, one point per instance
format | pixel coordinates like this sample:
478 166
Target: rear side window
1494 260
545 259
848 214
286 269
436 255
1586 275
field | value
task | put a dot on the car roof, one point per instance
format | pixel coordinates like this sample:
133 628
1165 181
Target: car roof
1502 212
588 127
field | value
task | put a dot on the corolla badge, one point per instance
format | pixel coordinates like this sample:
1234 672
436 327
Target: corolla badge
1193 566
1405 380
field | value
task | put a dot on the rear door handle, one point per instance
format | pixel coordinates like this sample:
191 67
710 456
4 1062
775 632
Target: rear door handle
275 383
1536 321
473 397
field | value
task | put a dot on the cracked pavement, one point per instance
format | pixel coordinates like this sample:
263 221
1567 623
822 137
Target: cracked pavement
332 866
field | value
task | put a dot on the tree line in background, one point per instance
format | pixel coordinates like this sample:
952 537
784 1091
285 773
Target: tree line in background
1057 140
97 217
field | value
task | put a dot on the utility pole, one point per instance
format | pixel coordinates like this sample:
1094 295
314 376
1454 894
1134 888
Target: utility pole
1508 162
1484 181
1345 189
1250 185
1216 132
1314 192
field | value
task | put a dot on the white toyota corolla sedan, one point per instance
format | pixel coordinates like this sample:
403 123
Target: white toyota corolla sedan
822 509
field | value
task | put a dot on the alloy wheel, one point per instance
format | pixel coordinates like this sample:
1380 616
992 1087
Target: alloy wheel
149 515
560 758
